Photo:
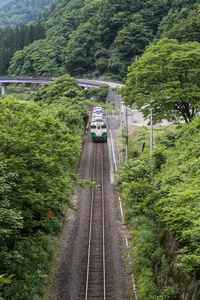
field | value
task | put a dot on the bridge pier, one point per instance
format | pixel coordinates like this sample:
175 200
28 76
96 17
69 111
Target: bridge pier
4 89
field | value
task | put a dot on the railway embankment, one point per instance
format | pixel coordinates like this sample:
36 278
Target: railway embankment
161 207
188 285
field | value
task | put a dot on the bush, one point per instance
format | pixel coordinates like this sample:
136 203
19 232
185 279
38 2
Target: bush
38 149
133 152
158 158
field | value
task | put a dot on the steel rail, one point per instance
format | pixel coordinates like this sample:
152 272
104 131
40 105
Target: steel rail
103 226
90 229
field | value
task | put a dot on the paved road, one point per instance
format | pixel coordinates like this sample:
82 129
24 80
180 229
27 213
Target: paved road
138 120
100 82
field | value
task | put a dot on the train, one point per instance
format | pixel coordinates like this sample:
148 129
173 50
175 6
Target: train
98 124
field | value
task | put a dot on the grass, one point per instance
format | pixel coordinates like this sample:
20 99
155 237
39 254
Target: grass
136 140
21 92
139 141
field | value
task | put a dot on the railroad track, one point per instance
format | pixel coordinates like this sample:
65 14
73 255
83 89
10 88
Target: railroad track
96 269
90 107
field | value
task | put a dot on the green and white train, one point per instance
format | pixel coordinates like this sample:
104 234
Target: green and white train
98 124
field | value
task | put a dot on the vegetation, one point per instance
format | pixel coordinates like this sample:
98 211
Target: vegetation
187 30
21 92
161 197
99 37
39 147
166 79
157 44
98 94
18 12
16 39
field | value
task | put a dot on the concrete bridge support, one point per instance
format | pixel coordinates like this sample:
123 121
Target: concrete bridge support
4 89
113 96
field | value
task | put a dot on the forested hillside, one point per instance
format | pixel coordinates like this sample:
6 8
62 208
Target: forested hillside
16 39
21 12
94 38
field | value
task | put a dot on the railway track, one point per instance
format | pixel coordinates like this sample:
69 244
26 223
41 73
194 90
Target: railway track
90 107
96 263
93 267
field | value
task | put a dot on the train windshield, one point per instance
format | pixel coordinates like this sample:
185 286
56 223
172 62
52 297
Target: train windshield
103 126
98 120
93 126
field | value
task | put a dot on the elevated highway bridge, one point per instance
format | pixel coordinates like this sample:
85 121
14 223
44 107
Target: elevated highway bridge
85 83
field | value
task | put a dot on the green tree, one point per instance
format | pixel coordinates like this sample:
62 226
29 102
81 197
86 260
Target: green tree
39 58
22 12
66 100
131 41
93 37
38 154
188 30
166 78
153 11
64 86
99 93
39 31
81 49
3 61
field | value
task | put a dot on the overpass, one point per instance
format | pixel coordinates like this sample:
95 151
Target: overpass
6 80
85 83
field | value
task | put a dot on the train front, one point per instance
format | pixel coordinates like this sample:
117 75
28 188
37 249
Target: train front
99 131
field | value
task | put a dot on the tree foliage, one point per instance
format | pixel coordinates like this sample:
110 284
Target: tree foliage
15 13
166 79
187 30
96 37
39 58
99 94
13 40
39 147
161 196
93 38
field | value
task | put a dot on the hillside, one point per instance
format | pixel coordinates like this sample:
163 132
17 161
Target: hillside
99 37
18 12
161 197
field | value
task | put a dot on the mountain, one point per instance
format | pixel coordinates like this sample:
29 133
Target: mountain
18 12
94 38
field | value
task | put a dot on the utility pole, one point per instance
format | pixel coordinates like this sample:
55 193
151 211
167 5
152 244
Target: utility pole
120 111
126 133
151 138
